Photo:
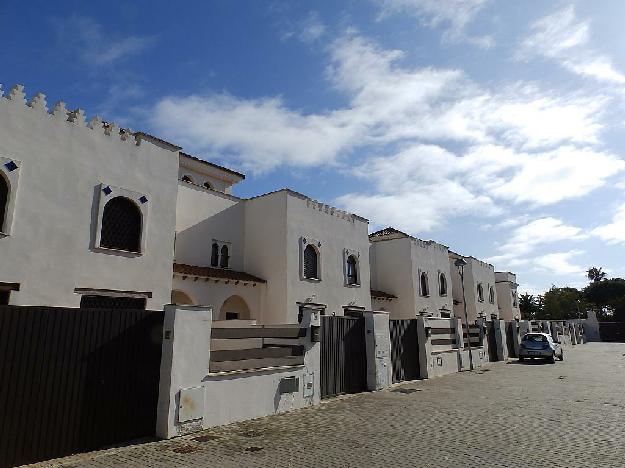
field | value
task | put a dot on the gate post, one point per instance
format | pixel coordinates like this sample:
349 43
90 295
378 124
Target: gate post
425 347
500 339
515 336
184 363
378 350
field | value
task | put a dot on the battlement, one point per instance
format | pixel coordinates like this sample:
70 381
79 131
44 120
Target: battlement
77 117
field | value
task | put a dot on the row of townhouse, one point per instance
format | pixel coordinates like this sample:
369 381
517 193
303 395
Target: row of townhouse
92 215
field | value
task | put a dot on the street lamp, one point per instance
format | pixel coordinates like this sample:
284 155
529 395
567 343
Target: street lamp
461 263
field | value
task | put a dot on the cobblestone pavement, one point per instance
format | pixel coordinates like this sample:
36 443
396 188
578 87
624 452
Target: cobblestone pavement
571 413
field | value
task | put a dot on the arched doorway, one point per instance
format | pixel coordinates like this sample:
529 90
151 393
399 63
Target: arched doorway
181 298
234 308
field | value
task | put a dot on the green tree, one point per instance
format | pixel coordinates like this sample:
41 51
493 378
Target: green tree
529 306
562 304
607 298
595 274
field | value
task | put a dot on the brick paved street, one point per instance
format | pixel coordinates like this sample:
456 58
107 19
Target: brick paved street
572 413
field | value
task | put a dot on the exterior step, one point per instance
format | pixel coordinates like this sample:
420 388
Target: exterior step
256 353
248 364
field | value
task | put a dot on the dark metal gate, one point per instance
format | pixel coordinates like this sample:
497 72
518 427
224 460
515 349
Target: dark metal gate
343 355
492 342
404 350
74 380
511 338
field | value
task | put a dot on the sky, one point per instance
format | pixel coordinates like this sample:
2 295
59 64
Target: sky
494 127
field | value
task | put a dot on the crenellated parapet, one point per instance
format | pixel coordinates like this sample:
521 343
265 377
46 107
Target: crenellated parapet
38 103
332 211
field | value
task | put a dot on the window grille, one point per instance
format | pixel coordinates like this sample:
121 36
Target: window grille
224 260
425 287
4 199
111 302
442 285
215 255
491 295
310 262
121 225
352 270
480 293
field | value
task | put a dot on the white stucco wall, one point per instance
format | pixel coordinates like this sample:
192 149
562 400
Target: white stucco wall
50 250
336 231
203 215
396 266
391 272
214 294
505 283
475 272
265 251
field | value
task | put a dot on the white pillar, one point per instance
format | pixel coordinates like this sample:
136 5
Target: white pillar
184 362
500 339
378 342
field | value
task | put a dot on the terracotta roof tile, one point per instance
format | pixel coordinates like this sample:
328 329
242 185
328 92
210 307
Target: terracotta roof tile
219 273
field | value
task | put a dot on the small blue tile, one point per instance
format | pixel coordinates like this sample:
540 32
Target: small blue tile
143 199
107 190
11 166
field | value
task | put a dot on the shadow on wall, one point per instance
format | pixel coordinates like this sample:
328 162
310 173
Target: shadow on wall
234 308
193 245
181 298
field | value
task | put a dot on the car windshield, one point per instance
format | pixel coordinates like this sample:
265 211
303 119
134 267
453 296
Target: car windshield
535 338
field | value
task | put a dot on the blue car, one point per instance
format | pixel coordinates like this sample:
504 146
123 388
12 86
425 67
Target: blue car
540 346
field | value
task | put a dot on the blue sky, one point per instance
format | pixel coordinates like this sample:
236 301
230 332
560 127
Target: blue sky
494 127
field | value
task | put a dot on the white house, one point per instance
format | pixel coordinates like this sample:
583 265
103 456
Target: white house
409 276
507 295
479 288
87 211
92 215
281 249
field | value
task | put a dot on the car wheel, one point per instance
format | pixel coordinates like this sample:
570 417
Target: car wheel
521 359
552 359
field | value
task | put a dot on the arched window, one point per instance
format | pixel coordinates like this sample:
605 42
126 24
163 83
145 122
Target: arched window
4 200
425 287
442 284
208 186
480 293
187 179
491 295
311 261
215 255
121 225
352 270
224 260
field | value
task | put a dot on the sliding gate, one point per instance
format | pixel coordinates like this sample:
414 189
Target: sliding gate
404 350
343 355
74 380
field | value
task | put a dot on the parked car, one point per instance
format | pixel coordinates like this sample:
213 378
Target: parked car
540 346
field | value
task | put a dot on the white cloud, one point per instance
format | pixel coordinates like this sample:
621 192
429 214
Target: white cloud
518 250
455 14
312 28
562 37
389 104
613 232
95 46
560 263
